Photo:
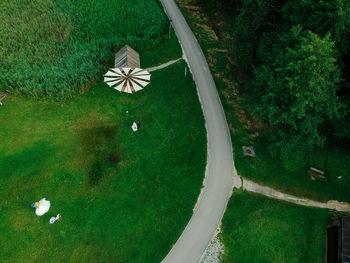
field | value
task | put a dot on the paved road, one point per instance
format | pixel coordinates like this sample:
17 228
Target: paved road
220 173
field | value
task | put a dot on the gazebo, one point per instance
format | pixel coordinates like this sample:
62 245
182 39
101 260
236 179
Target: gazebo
127 58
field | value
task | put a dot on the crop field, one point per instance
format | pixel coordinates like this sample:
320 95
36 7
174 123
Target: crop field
53 48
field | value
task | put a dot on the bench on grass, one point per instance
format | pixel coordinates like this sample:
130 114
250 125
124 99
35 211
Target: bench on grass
316 173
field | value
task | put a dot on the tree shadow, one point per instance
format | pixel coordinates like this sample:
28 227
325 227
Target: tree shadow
99 151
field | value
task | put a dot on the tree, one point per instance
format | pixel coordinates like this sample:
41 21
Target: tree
254 18
321 17
221 5
298 92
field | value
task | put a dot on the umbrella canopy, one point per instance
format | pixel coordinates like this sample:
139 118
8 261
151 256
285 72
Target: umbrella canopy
127 79
43 207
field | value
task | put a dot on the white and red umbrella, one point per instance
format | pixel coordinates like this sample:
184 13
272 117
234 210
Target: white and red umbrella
126 79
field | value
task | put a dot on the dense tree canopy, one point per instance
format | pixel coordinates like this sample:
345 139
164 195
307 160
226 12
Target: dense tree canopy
322 17
298 91
255 18
296 52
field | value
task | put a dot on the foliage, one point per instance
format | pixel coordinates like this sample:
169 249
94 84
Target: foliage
54 47
254 18
298 91
246 129
229 6
342 125
321 17
284 64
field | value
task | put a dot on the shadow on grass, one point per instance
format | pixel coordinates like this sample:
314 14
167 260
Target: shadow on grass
100 151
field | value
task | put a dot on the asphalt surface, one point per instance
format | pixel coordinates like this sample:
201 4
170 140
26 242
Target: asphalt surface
220 173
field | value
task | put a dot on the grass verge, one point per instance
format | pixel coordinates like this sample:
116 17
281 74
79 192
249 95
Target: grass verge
168 49
259 229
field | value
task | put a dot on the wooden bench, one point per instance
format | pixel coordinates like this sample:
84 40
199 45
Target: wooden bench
316 173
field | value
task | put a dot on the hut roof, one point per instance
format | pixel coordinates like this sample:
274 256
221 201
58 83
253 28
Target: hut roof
345 239
127 58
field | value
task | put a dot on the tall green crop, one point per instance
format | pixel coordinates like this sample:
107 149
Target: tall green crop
53 47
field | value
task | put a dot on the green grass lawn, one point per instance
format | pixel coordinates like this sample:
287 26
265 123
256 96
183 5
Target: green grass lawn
168 49
213 33
123 196
263 230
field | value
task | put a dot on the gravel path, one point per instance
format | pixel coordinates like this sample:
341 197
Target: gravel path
163 65
270 192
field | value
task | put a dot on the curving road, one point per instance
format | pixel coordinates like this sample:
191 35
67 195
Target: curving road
221 176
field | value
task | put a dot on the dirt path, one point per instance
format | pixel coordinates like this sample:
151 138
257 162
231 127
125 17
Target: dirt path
163 65
272 193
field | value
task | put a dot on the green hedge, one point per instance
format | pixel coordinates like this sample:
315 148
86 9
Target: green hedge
53 47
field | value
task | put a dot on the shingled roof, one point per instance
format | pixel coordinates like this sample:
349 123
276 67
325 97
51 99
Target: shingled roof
345 239
127 58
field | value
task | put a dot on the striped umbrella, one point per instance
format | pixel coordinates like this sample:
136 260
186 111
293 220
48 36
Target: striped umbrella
127 79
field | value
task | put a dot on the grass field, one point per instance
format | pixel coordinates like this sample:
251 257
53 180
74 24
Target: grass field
213 33
168 49
263 230
123 196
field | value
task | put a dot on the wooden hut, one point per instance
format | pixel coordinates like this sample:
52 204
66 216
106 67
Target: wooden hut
338 241
127 58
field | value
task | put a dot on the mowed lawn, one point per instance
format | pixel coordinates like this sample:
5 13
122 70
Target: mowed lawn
123 196
257 229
